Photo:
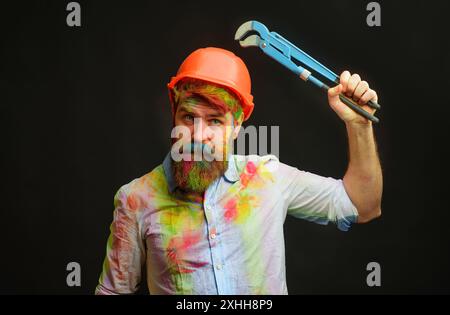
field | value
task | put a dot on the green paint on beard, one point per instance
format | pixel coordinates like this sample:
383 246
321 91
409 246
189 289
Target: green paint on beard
196 176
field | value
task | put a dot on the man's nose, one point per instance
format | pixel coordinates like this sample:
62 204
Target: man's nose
201 132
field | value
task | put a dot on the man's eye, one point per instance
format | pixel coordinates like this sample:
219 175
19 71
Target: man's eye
189 118
216 122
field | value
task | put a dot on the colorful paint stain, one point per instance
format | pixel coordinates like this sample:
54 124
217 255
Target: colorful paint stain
244 197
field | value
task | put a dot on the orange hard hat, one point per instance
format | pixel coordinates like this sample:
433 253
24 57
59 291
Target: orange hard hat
218 66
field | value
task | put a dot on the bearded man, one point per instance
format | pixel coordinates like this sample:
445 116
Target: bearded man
207 221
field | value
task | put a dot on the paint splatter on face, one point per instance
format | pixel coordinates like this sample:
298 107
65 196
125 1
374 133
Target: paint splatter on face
215 95
212 111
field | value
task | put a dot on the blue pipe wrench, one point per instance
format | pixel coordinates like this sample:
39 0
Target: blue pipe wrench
254 33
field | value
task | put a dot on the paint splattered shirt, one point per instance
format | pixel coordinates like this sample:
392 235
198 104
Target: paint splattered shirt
231 242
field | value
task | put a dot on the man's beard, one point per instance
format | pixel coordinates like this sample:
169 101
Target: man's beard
196 176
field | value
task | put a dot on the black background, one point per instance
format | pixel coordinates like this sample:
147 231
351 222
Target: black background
85 110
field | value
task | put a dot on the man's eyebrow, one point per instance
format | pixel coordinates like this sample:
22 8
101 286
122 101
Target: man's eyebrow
186 110
216 115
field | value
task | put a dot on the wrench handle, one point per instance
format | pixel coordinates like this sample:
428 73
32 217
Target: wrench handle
355 107
306 75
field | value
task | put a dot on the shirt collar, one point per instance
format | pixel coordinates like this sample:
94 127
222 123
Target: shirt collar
167 165
231 174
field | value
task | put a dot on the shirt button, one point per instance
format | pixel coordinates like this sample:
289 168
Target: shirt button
219 266
208 207
213 235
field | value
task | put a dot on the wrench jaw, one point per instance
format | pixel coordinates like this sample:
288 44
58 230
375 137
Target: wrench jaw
243 30
251 41
251 34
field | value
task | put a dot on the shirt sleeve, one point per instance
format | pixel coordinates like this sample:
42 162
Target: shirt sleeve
316 198
125 251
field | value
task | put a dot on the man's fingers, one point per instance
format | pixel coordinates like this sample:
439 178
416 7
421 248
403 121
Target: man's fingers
345 76
361 88
367 96
352 84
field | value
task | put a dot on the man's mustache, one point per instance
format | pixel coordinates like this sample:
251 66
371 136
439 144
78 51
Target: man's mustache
202 151
195 147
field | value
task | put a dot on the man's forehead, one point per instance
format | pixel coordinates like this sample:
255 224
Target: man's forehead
200 107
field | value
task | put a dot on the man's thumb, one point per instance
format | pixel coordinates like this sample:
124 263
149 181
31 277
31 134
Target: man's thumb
335 91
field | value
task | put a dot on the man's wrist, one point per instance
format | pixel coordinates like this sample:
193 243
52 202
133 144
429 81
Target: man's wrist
358 125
